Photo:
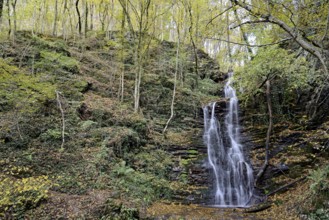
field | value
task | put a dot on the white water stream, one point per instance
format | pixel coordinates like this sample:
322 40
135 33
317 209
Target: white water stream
233 176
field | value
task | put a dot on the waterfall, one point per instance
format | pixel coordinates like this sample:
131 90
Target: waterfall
233 176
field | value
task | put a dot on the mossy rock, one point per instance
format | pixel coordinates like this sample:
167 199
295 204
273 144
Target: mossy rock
52 60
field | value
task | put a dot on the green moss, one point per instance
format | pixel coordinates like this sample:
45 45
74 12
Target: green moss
53 60
17 87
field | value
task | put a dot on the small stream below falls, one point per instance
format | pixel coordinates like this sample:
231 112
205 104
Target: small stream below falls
165 211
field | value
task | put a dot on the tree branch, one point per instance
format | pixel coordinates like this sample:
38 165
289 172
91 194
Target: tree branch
249 22
212 19
249 45
302 40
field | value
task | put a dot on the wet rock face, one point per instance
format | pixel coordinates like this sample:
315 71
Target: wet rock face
193 167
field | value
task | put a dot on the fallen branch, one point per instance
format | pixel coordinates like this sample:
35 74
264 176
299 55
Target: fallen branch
285 186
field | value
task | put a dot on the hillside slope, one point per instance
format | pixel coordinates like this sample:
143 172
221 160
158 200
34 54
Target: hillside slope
109 154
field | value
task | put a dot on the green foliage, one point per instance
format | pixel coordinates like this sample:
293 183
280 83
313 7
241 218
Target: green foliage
117 211
209 87
153 161
144 186
16 195
52 134
288 74
320 185
317 204
87 125
122 169
319 214
273 63
123 141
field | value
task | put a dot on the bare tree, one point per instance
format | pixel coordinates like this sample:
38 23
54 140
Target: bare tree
59 103
175 80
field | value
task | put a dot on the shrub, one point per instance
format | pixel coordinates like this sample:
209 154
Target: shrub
320 185
117 211
16 195
143 186
319 193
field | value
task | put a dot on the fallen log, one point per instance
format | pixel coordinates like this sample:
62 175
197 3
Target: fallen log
258 208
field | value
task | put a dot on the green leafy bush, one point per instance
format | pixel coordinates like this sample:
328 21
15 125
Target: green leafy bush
52 134
87 125
319 214
16 195
319 193
320 184
117 211
144 186
154 161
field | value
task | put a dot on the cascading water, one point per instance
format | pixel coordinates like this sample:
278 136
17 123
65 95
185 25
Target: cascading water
233 176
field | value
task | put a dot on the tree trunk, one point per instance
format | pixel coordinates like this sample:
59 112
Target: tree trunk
1 10
123 22
228 42
92 8
65 9
86 19
244 36
268 134
9 18
55 18
14 3
59 103
138 74
79 17
196 65
175 83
